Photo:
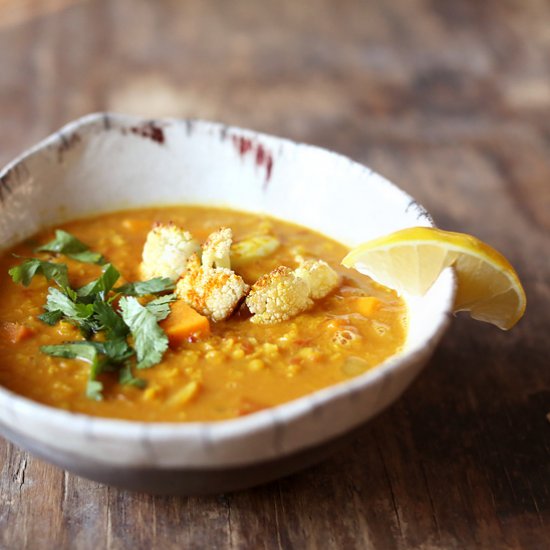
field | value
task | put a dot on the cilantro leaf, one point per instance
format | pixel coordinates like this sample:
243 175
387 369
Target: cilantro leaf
143 288
150 341
69 245
110 321
75 312
51 317
94 389
160 307
101 285
117 350
26 271
126 377
85 351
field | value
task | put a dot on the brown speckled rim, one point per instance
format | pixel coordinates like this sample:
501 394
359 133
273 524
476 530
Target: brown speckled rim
248 143
211 437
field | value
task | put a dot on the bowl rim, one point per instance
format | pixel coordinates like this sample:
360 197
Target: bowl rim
16 405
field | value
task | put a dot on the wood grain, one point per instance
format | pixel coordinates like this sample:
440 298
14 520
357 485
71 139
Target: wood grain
448 99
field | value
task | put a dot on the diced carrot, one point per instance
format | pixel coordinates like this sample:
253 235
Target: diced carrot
183 323
15 332
365 305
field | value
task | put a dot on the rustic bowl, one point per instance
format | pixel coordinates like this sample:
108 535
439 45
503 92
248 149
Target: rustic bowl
103 162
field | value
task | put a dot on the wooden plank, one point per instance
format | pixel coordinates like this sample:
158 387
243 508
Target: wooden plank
450 101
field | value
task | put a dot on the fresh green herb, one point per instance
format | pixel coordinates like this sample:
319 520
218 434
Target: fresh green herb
102 356
129 332
150 340
102 285
127 378
117 350
144 288
85 351
160 307
69 245
110 321
26 271
94 390
51 317
71 310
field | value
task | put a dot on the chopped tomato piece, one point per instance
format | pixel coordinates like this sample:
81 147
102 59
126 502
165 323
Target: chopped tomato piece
15 332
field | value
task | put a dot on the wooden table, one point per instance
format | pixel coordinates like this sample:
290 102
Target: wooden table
451 100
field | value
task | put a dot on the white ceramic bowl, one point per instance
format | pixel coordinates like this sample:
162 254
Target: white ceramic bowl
105 162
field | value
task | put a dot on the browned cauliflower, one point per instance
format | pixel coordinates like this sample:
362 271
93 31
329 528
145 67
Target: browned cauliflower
320 277
209 287
166 251
216 249
277 296
284 292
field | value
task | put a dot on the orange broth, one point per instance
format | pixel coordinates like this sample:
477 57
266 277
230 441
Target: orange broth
240 367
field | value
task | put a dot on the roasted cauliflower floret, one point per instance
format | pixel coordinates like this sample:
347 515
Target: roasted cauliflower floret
284 292
166 251
277 296
214 292
320 277
216 249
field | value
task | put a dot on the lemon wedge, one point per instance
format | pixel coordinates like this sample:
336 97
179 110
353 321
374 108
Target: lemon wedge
411 260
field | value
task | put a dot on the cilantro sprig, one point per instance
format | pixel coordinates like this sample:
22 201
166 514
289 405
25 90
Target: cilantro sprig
68 245
85 351
150 341
143 288
26 271
115 338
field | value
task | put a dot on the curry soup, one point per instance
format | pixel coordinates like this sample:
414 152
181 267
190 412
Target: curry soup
239 368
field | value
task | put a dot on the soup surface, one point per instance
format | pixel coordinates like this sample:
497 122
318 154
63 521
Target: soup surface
240 367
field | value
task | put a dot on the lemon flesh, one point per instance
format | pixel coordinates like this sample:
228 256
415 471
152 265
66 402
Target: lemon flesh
412 259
